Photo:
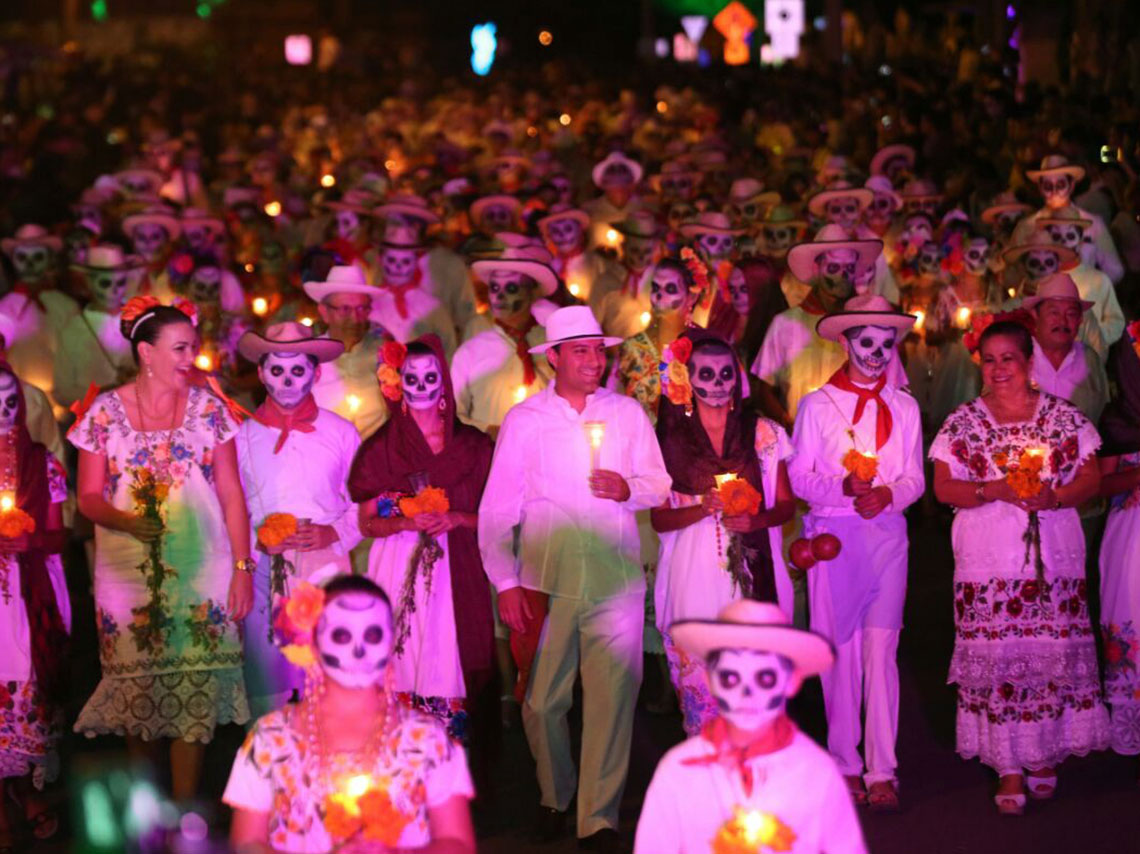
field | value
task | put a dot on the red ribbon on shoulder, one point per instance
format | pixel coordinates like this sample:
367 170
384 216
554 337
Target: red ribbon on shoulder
80 407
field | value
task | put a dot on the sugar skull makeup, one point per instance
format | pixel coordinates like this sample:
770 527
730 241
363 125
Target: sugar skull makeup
206 285
712 372
509 293
1055 189
1039 263
751 688
565 234
288 377
778 239
9 401
717 246
108 289
497 218
870 348
679 214
422 381
881 208
843 211
354 639
150 240
199 237
399 265
739 292
637 252
666 291
1069 236
347 225
31 262
918 230
930 258
836 270
977 256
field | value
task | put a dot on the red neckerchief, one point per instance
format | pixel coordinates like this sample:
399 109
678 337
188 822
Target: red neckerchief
632 280
30 295
300 418
561 262
734 758
812 305
883 420
522 348
400 292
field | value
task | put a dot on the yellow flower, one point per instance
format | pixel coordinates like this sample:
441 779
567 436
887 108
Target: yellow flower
300 656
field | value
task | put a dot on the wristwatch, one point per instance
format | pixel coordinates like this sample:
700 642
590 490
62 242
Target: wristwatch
246 565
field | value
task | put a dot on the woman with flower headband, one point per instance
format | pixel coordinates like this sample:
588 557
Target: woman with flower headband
158 476
712 553
35 615
424 549
1016 463
349 768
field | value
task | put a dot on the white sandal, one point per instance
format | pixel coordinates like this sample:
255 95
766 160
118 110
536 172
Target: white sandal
1010 805
1041 786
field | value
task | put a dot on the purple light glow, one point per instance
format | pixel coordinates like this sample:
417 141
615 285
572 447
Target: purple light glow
1010 12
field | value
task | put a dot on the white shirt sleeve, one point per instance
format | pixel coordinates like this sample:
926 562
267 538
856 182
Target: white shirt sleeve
248 788
501 507
347 525
650 483
658 828
908 488
814 487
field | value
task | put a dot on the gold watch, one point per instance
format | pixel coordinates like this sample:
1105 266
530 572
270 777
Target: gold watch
246 565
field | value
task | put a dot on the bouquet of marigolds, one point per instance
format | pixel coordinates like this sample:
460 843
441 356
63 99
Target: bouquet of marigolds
363 809
294 621
863 465
753 832
1026 477
429 499
14 522
275 529
739 497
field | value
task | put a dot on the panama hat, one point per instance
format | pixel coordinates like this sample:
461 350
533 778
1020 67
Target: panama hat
1040 239
31 235
613 163
891 152
108 256
154 215
865 310
1056 164
565 212
1068 215
348 279
801 257
138 177
288 337
759 626
1058 286
817 204
710 222
520 259
573 323
197 217
1003 203
482 202
406 205
401 236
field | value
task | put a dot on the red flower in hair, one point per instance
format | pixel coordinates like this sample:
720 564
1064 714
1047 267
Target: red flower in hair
138 305
697 269
682 349
182 264
187 308
393 353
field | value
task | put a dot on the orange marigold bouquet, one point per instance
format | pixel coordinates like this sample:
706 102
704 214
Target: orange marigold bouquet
1025 478
430 499
15 523
753 832
276 529
863 465
372 815
740 498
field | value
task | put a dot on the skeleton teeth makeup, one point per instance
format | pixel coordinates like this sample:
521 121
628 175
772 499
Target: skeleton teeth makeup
399 265
31 262
751 688
565 234
354 639
717 246
1069 236
976 256
1056 190
288 377
1040 263
422 381
666 291
713 375
108 289
836 270
844 212
870 348
929 258
150 240
739 292
9 402
205 285
509 293
347 225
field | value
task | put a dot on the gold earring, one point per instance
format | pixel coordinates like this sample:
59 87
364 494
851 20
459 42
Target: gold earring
442 403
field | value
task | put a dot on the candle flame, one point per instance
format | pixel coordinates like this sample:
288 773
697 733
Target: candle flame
564 119
306 321
260 306
273 208
611 236
919 319
963 316
328 180
722 479
596 431
357 786
353 402
757 826
1012 292
203 362
574 289
520 394
645 318
7 503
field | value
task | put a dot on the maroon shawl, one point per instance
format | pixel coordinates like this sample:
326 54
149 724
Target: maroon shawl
384 463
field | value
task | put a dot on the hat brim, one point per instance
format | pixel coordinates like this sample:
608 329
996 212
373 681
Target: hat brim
801 257
891 152
580 216
317 291
9 244
818 202
1068 259
1075 172
1034 301
992 213
607 341
833 326
253 346
695 229
543 275
1083 223
811 653
411 211
625 231
215 225
635 171
764 197
130 262
482 202
171 224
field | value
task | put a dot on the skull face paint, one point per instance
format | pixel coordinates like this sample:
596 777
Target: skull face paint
354 639
565 235
870 348
739 292
751 688
497 218
150 241
347 225
1040 263
31 262
637 252
778 239
200 238
399 265
977 256
918 230
206 285
844 212
716 246
713 374
288 377
509 293
9 402
679 214
930 258
1056 190
666 291
422 381
835 270
108 290
1069 236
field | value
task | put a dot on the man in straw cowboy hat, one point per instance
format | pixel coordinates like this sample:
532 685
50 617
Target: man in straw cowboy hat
92 348
405 303
494 369
856 597
846 206
617 176
1056 180
294 457
793 360
564 229
1062 365
572 466
625 286
348 385
750 776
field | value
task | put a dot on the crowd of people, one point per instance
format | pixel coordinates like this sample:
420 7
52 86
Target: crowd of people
391 420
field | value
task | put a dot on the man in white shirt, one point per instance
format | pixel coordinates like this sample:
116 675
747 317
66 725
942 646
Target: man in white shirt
617 176
1062 365
750 772
294 458
572 466
348 386
856 598
494 370
406 303
580 267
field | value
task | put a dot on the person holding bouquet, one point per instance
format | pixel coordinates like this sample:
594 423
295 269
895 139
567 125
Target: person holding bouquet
158 476
294 459
418 481
1016 463
712 553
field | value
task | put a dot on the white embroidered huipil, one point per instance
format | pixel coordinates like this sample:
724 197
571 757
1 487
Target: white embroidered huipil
793 359
1079 379
348 386
571 544
487 374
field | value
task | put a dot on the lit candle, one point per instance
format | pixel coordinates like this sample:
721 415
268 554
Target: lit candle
273 208
611 236
328 180
7 503
260 306
574 289
564 119
520 394
1043 455
306 321
356 787
662 107
1012 292
722 479
595 432
353 402
963 317
758 827
249 268
645 318
920 319
203 362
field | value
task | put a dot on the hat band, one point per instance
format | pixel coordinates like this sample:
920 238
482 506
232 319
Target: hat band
575 338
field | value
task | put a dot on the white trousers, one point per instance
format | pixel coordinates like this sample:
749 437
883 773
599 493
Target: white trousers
603 641
860 695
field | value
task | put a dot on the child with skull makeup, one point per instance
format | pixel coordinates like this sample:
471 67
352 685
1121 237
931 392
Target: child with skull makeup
856 598
749 778
350 736
714 434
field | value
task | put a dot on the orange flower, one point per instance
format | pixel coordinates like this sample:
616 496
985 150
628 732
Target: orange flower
863 466
1001 460
383 821
431 499
305 605
342 817
137 305
1025 478
389 379
750 832
277 528
740 498
299 655
16 522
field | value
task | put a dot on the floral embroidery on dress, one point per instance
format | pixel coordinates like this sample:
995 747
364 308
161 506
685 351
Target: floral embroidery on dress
1120 682
639 372
207 624
108 632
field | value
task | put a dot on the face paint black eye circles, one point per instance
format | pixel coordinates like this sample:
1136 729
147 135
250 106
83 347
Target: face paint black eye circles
706 374
431 378
373 635
728 678
340 636
766 678
276 370
297 371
